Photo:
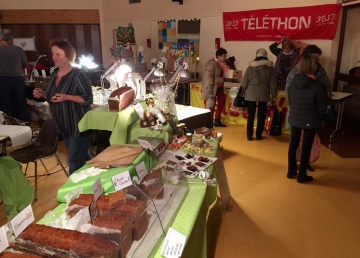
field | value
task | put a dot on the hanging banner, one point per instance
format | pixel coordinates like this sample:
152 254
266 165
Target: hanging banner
311 22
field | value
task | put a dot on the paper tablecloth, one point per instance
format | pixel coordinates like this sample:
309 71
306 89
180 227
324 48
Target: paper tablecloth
18 134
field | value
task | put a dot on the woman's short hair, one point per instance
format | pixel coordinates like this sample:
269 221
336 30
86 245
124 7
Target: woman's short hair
307 64
220 51
69 50
261 52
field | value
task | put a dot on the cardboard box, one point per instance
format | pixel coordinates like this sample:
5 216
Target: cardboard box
233 74
41 82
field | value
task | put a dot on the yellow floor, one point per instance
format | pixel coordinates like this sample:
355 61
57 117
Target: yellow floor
269 216
275 217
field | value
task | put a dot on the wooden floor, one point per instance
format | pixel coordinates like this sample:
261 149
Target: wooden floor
269 216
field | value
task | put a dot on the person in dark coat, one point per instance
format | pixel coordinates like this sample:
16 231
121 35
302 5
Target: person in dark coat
258 81
12 83
320 75
307 98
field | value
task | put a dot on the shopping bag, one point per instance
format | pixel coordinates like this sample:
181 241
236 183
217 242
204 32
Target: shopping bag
276 125
271 109
239 100
315 149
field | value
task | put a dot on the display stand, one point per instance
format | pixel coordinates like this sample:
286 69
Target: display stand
222 181
161 213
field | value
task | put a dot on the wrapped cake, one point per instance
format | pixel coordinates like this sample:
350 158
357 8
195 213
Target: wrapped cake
137 211
121 98
152 184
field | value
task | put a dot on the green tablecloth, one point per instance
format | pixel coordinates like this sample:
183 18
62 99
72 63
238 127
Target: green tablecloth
124 125
148 158
16 190
190 220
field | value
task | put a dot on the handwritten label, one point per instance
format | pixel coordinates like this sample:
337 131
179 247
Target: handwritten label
97 189
139 110
173 245
141 170
22 220
3 239
121 181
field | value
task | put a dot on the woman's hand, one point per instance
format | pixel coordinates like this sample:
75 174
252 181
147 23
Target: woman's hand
59 97
282 40
38 93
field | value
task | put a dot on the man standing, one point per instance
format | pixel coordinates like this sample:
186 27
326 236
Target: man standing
12 84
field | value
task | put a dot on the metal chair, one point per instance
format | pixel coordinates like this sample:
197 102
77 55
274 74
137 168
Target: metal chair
45 145
9 120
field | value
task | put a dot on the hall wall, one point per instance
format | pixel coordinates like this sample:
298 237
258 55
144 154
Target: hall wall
144 17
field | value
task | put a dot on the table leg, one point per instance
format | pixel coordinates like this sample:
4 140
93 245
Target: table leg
338 120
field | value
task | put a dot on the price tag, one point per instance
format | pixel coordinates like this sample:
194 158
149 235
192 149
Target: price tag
93 211
3 239
141 170
22 220
97 189
139 110
173 245
145 144
121 181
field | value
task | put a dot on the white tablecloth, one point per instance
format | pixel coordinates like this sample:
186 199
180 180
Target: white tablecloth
18 134
189 111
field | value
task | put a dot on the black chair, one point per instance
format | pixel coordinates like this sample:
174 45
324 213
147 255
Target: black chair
45 145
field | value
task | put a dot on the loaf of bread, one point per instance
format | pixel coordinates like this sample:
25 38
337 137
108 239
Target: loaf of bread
121 98
11 254
47 241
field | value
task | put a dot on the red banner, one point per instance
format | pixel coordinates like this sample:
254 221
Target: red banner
311 22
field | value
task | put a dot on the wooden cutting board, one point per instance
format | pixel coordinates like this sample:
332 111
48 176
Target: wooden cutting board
115 155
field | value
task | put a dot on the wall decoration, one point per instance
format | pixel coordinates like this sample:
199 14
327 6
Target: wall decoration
28 44
124 35
189 34
166 33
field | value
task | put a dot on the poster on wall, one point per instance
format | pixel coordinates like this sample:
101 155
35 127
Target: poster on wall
28 44
125 35
310 22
